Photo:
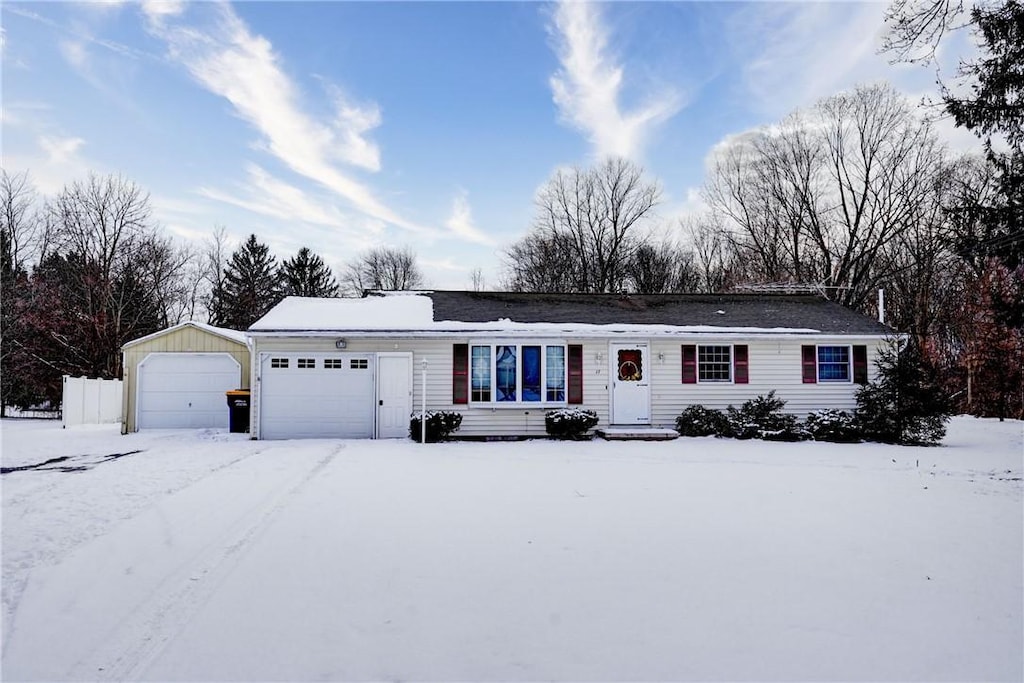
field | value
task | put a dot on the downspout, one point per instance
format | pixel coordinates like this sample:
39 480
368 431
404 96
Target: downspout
423 403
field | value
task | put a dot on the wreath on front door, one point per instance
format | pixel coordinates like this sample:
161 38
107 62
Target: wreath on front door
629 366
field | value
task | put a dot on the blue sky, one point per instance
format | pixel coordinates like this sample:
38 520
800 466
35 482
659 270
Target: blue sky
346 125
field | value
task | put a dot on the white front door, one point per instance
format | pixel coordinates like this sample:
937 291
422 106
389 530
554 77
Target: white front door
394 395
631 388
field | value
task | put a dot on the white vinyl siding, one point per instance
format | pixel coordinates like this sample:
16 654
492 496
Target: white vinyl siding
477 421
773 364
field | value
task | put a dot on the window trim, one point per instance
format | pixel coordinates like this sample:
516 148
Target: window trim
849 364
518 345
730 363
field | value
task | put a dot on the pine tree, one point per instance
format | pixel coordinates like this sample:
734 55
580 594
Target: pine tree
993 107
306 274
252 285
905 403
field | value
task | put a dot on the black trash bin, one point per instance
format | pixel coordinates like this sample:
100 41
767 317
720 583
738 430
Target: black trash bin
238 407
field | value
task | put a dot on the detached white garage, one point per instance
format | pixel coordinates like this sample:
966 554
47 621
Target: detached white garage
177 378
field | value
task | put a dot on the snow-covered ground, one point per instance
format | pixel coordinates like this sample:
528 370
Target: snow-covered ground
205 556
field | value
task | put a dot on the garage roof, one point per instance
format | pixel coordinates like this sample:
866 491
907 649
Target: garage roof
455 311
231 335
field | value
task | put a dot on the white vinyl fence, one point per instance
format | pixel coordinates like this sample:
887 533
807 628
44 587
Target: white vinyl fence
91 401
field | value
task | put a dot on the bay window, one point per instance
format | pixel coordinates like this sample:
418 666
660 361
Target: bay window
517 373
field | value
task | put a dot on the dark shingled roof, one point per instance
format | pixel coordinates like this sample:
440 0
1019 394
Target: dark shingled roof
720 310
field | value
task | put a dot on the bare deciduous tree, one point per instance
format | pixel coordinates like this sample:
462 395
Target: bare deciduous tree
216 251
21 222
708 239
383 268
586 229
543 263
822 197
916 27
476 279
661 267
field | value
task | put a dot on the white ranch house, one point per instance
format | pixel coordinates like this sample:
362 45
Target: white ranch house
355 368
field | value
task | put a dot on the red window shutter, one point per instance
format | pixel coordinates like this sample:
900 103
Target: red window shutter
860 364
575 383
460 373
689 363
809 355
740 364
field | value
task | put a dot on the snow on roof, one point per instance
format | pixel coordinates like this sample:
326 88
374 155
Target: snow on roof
236 335
233 335
300 314
415 313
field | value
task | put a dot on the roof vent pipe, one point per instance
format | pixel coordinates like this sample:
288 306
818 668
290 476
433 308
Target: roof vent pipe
881 306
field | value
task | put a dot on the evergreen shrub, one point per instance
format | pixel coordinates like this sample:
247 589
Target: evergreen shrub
569 423
697 420
836 426
440 425
762 418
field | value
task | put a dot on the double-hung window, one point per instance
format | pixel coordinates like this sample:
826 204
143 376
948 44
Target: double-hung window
708 363
517 373
714 363
833 363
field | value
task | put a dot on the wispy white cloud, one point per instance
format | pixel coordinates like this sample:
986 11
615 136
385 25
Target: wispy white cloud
60 149
52 158
75 54
792 54
78 32
460 222
226 58
588 86
156 10
264 194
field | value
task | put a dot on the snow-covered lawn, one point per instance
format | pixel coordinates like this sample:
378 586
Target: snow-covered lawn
205 556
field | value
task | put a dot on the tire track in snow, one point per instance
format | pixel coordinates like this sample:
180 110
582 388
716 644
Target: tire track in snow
154 624
54 545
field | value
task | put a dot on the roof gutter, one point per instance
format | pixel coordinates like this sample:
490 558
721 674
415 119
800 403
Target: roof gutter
575 333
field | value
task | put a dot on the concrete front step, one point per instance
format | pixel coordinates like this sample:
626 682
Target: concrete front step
637 434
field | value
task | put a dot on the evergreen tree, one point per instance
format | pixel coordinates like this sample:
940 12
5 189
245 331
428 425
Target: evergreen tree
306 274
904 404
13 284
994 107
252 285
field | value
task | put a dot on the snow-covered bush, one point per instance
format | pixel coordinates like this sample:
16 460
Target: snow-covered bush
569 423
762 418
830 424
697 420
440 425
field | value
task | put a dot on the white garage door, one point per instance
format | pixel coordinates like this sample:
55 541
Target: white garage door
316 395
185 390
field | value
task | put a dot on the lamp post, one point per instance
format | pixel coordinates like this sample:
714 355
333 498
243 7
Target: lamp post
423 403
